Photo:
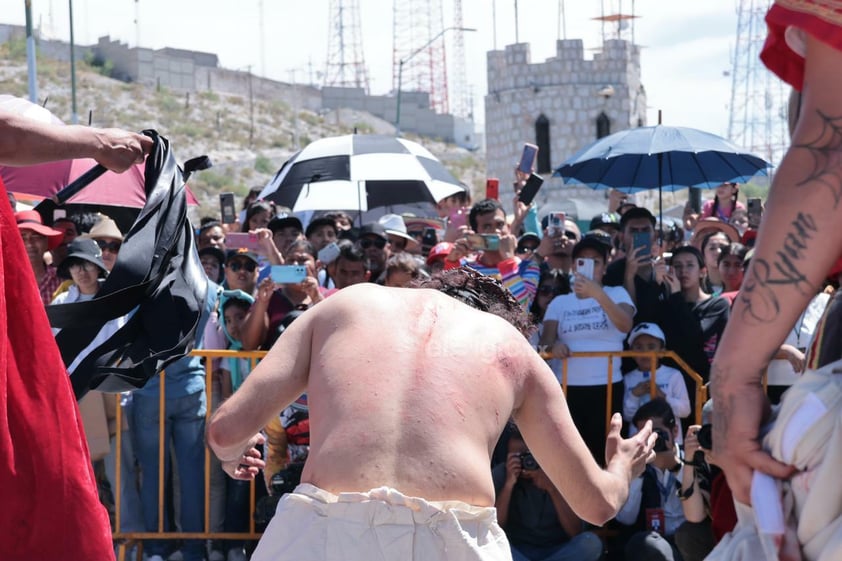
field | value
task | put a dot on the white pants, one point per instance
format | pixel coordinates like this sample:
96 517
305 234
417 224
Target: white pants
382 524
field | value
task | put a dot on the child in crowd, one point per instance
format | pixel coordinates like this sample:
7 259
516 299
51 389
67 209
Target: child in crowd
234 305
669 383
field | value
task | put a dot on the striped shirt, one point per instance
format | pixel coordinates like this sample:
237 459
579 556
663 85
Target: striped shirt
522 282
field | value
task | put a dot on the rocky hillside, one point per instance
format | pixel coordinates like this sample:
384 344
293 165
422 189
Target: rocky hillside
246 143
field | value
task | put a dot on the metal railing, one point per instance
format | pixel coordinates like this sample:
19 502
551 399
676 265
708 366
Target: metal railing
700 390
125 539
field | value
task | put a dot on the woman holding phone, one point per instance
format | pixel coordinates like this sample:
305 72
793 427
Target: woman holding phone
591 318
693 318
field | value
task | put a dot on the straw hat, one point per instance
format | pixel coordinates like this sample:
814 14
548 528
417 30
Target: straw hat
105 229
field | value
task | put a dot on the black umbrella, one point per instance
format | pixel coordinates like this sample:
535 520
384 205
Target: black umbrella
157 280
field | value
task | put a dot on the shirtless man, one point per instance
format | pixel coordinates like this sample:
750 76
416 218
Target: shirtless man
421 419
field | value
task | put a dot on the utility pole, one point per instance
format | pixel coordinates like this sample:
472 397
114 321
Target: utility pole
494 22
74 116
30 55
137 24
262 41
295 102
251 109
517 27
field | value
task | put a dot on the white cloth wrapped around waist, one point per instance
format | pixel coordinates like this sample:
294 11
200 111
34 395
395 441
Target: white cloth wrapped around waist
313 524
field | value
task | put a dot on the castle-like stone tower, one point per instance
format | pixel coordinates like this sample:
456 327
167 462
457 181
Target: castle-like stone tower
561 104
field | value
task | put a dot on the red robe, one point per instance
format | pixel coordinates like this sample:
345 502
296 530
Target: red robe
49 507
820 18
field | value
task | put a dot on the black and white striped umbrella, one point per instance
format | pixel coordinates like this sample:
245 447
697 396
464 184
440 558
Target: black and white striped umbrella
360 172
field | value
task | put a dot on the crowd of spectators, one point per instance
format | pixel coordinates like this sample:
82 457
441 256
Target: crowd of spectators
627 282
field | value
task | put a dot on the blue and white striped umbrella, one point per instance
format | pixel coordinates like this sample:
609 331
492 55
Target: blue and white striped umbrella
360 172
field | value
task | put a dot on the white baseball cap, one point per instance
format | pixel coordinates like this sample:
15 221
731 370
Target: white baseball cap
650 329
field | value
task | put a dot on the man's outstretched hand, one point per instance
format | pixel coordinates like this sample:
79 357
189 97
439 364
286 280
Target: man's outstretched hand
634 452
249 464
118 149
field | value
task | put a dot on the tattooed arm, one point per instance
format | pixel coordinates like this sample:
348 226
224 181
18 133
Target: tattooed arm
798 242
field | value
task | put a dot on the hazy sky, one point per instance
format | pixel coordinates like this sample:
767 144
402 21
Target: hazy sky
687 45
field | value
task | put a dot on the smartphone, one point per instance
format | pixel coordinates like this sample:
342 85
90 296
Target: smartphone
492 188
484 242
288 274
555 224
329 253
227 209
527 158
584 266
459 217
241 240
667 257
754 212
527 194
642 239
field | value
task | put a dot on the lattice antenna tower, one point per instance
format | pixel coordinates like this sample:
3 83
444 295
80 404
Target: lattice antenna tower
415 23
345 65
757 113
460 103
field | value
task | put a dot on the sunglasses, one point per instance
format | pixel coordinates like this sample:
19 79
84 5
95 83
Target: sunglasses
379 243
77 266
109 246
570 234
249 266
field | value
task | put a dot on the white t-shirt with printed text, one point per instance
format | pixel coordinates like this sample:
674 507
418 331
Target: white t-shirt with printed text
584 326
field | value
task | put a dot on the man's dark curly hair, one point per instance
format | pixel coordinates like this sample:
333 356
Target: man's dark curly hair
485 206
480 292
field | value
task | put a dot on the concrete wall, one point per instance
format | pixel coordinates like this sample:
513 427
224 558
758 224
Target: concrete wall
186 70
564 89
416 115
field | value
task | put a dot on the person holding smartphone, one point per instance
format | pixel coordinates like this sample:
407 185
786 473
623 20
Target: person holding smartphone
591 318
488 219
694 318
640 272
274 302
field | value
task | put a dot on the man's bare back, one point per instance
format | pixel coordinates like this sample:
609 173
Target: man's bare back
410 392
410 389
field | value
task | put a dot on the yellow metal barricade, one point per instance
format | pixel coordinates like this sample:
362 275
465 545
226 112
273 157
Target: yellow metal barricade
125 539
700 390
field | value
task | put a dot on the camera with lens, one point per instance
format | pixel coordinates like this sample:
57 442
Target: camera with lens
283 482
286 480
528 461
663 438
705 437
